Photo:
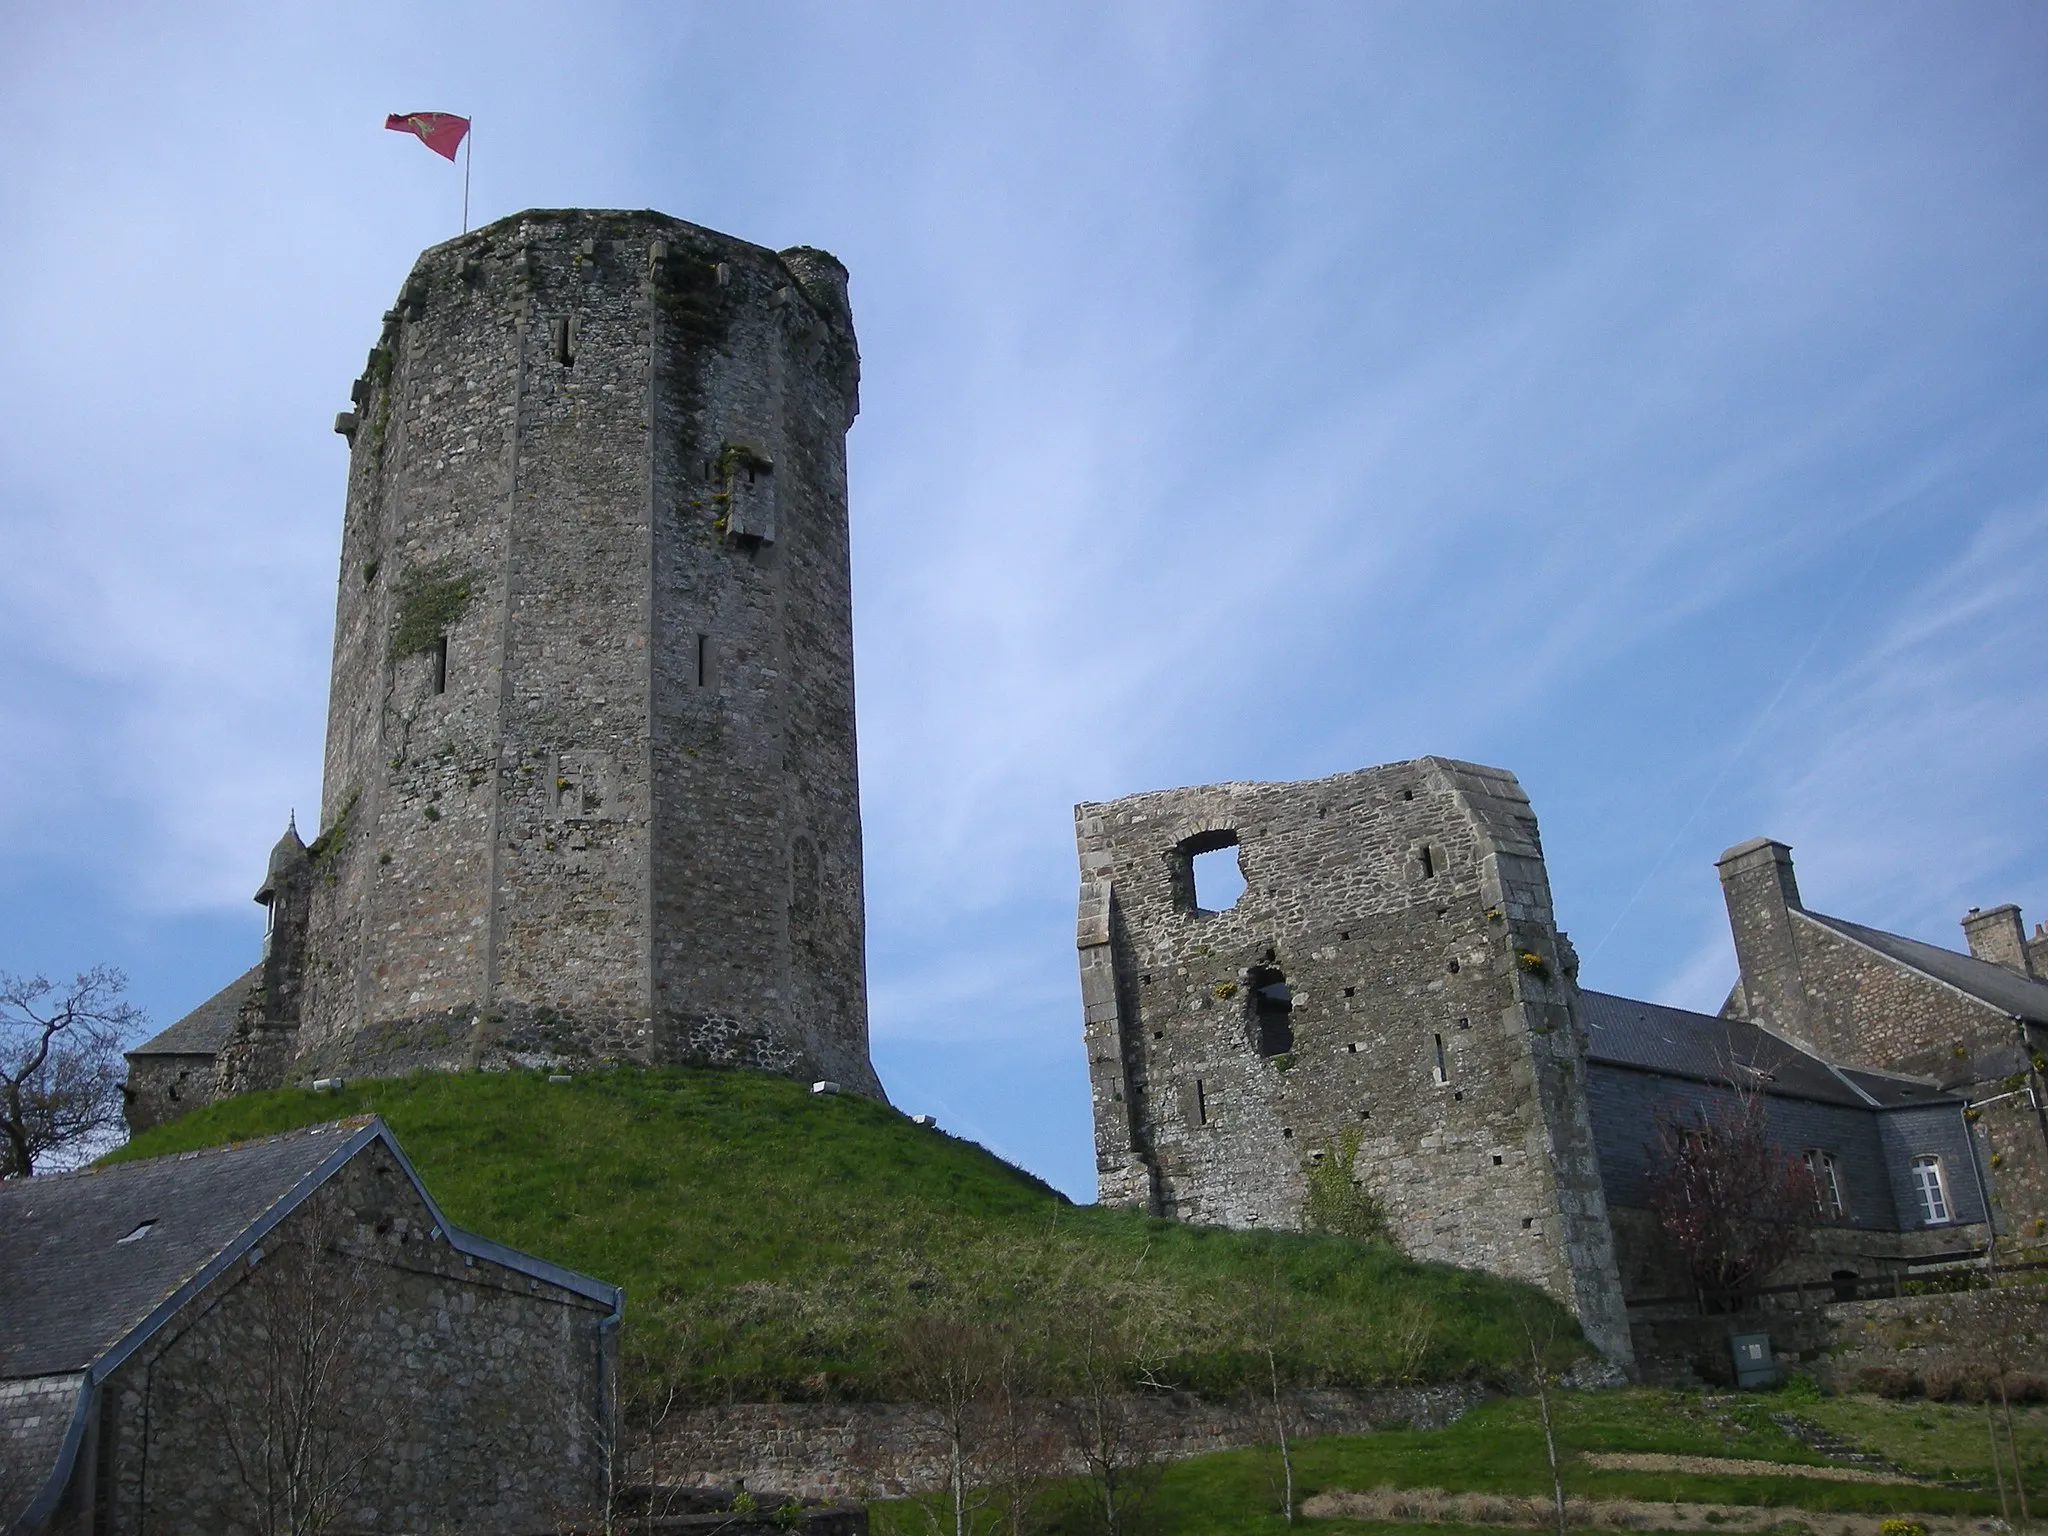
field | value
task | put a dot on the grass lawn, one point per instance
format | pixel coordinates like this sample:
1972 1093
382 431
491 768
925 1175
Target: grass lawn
1498 1448
1933 1439
776 1244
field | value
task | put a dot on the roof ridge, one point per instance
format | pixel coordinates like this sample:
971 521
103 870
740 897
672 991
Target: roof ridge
348 1123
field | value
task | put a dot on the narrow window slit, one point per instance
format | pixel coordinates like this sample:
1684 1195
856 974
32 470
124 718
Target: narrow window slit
441 665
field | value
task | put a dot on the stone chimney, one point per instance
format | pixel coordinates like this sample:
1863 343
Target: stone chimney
1758 885
1997 935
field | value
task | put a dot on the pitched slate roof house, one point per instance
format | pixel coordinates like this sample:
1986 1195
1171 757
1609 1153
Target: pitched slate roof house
291 1320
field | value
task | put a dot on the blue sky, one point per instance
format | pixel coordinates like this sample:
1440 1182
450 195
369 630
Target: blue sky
1648 399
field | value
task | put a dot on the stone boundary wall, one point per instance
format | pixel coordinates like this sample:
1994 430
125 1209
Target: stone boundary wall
1836 1341
1927 1333
844 1450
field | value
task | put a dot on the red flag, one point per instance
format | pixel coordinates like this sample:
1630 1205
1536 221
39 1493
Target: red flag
440 131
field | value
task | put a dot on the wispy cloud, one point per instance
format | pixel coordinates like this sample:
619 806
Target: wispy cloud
1243 398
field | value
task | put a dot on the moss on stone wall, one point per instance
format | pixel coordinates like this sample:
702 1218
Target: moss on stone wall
430 602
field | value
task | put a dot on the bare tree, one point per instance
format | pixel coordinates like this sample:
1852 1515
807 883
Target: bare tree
60 1064
1111 1347
2006 1333
1731 1201
286 1386
1024 1451
1539 1340
950 1364
1268 1320
623 1439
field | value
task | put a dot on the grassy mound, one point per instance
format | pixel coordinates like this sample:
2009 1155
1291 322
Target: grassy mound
778 1245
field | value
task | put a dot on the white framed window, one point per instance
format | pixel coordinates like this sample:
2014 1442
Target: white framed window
1931 1183
1827 1184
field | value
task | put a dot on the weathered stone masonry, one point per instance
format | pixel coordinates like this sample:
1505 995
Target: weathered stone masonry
1394 971
590 785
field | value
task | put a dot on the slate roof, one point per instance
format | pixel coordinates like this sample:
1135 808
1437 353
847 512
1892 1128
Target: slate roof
93 1263
206 1028
1626 1032
2007 991
71 1288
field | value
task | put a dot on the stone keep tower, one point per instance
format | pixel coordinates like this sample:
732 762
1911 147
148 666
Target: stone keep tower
1391 988
590 783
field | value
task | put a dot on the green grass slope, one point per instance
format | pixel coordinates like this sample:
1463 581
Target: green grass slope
1498 1448
778 1245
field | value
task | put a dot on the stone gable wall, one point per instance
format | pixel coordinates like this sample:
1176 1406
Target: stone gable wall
1397 903
1874 1011
477 1392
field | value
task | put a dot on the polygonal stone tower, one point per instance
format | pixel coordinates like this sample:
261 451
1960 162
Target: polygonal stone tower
590 778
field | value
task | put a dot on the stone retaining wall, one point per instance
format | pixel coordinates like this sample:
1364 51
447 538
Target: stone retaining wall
1837 1341
835 1450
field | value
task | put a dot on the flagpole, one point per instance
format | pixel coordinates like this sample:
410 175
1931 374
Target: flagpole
468 149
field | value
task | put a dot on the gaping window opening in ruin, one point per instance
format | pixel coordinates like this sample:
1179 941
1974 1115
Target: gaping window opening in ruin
1932 1185
441 665
1201 1103
1272 1006
1427 860
703 661
1443 1068
1208 875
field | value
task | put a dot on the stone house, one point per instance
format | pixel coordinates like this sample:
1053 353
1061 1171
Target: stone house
1388 986
187 1341
1899 1180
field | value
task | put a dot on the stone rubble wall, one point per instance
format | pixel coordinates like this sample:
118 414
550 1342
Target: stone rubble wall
1838 1341
1433 1019
590 786
35 1416
478 1389
842 1450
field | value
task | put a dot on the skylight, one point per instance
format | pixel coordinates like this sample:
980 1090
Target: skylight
139 1233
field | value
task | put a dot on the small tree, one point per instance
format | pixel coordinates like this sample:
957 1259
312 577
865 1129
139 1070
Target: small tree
60 1064
1112 1344
951 1364
1269 1326
287 1391
1540 1336
1732 1203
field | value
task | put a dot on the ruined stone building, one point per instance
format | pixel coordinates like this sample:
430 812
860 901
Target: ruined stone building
1391 989
590 785
163 1322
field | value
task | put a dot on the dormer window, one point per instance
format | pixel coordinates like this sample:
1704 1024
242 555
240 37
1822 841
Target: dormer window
269 917
1930 1183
